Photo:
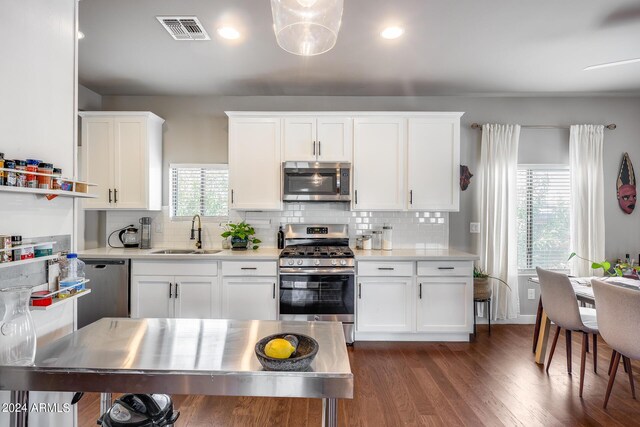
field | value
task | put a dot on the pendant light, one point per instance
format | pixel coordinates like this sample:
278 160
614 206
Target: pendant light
306 27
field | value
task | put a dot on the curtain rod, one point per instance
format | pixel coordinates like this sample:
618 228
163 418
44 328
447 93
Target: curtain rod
611 126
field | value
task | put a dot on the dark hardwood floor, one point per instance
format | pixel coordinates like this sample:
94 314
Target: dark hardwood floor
492 381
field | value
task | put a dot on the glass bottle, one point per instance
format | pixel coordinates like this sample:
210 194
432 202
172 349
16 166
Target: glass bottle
17 330
387 238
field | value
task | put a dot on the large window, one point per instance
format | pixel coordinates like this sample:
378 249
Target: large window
544 194
199 189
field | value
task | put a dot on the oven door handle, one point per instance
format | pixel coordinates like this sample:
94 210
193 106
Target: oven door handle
326 271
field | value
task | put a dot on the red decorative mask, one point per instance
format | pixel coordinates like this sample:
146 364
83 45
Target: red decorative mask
626 185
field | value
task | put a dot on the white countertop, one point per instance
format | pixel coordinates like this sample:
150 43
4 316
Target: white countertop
273 253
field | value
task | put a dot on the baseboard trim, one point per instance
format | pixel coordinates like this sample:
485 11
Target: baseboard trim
523 319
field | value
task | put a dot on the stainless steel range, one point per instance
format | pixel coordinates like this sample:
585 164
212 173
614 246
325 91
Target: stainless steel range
317 275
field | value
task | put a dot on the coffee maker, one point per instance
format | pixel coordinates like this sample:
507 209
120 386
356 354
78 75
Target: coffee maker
145 232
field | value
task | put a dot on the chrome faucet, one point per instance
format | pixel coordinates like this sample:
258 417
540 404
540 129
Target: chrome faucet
193 231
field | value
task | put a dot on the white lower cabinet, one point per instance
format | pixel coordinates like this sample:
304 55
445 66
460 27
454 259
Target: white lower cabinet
445 304
250 298
384 304
187 289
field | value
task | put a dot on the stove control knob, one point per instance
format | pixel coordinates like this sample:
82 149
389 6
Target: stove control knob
299 262
290 262
334 262
343 262
317 262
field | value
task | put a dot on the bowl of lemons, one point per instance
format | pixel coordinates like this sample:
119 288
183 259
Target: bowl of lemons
286 352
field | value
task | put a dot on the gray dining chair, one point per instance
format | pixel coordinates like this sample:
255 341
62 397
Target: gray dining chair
619 316
560 303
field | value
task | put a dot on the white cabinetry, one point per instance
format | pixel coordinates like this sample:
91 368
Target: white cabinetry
178 289
384 304
254 163
249 290
433 163
379 163
327 139
121 152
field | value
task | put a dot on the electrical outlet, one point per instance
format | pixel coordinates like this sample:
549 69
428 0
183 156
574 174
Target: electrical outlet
531 293
158 226
474 228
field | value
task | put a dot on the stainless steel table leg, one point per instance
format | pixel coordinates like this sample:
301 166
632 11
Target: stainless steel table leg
329 412
105 402
20 418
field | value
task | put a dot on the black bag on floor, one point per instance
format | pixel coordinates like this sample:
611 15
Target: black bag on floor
140 410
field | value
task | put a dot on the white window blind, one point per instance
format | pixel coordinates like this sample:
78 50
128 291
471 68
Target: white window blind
199 189
544 193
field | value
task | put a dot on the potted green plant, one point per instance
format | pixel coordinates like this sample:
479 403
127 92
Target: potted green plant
616 270
241 235
481 285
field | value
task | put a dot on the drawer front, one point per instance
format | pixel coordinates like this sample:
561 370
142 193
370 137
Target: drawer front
445 268
249 268
385 268
174 268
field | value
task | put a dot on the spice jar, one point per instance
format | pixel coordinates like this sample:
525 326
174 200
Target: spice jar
44 182
10 177
358 242
5 243
21 175
57 179
387 234
2 180
376 240
366 242
32 166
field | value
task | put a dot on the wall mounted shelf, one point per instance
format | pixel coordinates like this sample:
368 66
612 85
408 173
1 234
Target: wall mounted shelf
58 301
27 261
42 192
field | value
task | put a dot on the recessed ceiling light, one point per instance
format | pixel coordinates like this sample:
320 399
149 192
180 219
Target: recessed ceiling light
612 64
228 33
392 32
80 35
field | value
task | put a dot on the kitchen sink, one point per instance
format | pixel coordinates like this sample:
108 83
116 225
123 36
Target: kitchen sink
207 251
174 251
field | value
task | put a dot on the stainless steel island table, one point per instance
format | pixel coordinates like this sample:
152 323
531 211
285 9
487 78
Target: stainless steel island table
184 356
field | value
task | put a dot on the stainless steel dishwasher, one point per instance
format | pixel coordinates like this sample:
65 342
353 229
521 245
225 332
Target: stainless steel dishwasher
109 284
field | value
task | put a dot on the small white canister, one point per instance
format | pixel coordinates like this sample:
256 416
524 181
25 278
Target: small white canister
366 242
387 235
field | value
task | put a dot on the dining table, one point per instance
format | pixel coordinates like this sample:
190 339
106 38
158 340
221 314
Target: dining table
584 295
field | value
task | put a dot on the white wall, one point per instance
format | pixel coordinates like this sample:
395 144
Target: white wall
88 100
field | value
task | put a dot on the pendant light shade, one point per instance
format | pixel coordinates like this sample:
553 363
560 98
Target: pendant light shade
306 27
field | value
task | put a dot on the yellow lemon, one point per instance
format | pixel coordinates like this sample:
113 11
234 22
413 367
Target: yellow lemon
279 348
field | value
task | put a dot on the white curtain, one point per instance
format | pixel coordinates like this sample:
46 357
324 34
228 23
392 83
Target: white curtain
498 210
586 148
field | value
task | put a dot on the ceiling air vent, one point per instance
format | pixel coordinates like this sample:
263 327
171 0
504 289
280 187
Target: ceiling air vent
184 27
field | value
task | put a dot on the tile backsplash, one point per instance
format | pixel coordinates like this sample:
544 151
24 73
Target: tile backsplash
414 230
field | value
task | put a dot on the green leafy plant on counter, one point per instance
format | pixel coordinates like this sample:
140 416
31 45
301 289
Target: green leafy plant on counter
479 273
241 232
616 270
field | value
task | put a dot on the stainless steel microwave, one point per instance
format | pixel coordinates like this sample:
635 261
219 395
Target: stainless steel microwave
316 182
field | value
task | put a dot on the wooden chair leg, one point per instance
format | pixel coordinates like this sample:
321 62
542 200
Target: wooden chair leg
536 329
613 356
627 363
583 359
595 353
568 336
553 347
489 314
612 377
587 346
624 366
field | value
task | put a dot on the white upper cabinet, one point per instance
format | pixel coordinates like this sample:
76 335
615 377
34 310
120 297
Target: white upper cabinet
433 163
326 139
121 152
254 163
379 163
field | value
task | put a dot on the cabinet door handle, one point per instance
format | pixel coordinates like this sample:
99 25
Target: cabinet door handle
248 268
115 195
410 197
359 290
109 195
446 268
386 268
319 149
231 196
176 290
274 290
356 194
314 147
170 293
420 290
